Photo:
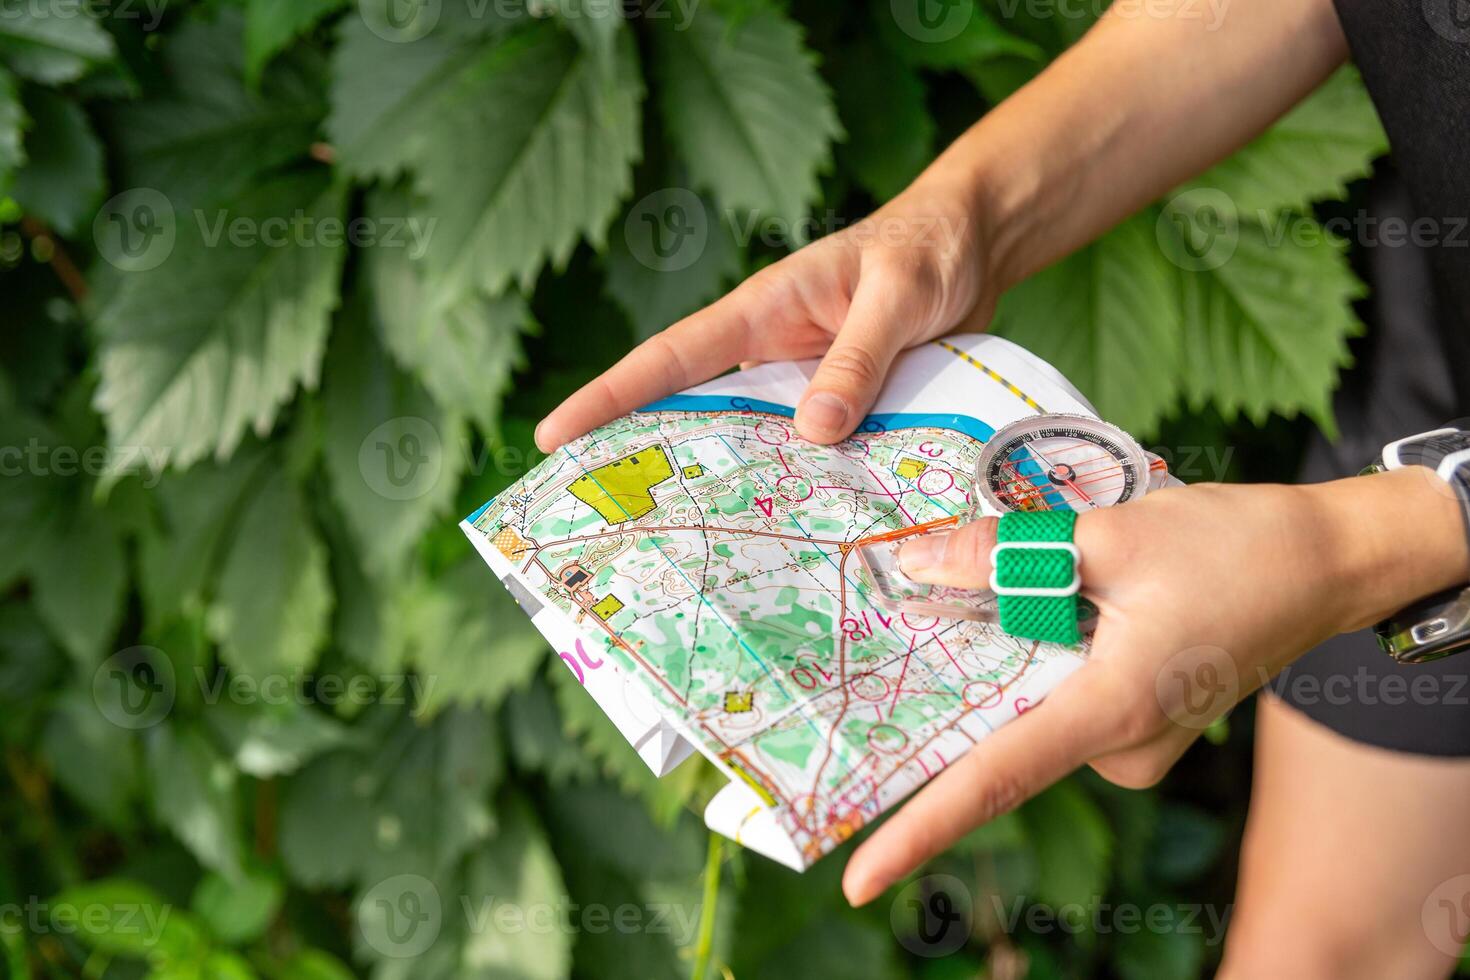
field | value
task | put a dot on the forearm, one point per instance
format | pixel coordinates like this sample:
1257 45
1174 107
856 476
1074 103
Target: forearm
1138 106
1388 539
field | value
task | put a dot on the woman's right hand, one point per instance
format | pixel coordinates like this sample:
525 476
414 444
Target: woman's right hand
912 271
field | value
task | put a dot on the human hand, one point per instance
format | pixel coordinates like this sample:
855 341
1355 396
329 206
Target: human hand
912 271
1203 594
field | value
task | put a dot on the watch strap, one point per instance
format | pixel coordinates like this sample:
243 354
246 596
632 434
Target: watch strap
1446 451
1035 575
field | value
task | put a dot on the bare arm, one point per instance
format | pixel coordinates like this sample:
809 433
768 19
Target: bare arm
1141 104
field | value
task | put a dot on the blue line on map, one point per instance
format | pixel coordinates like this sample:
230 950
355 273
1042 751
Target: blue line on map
880 422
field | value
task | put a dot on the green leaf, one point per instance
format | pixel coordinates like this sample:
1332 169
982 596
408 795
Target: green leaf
466 353
95 761
655 293
211 135
890 135
63 180
595 25
1312 153
267 740
119 917
1159 954
1267 330
415 806
747 111
1072 843
271 26
215 339
237 911
194 796
1107 317
515 868
393 455
53 43
180 557
313 964
12 125
274 599
81 601
963 35
473 644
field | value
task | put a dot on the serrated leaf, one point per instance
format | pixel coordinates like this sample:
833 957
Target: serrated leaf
1108 318
53 44
1267 330
271 26
274 599
274 739
964 34
890 135
213 341
515 867
595 25
1329 139
1072 842
211 135
94 760
465 353
63 180
180 556
238 911
472 643
12 125
194 795
747 111
393 455
414 806
656 297
81 600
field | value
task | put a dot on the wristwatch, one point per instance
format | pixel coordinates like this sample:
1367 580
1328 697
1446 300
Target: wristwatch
1438 625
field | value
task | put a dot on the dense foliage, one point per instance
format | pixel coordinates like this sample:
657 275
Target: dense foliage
288 282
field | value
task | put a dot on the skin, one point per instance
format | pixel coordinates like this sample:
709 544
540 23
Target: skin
1233 580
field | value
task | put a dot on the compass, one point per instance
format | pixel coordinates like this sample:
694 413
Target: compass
1059 462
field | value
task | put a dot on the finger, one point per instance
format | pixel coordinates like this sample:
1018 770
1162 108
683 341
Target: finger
1008 767
851 374
959 558
1142 766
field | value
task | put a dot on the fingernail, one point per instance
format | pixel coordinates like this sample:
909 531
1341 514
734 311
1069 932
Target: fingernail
923 555
824 415
540 439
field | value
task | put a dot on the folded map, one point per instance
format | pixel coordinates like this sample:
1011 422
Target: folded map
693 565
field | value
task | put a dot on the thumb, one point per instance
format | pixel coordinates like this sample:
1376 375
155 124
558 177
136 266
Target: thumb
961 558
851 374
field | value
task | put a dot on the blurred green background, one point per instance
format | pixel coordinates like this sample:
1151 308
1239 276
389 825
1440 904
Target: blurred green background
287 284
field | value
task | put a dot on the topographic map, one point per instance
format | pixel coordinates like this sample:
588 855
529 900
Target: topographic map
694 565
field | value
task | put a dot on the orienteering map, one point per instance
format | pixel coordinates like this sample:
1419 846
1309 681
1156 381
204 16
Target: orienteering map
694 564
